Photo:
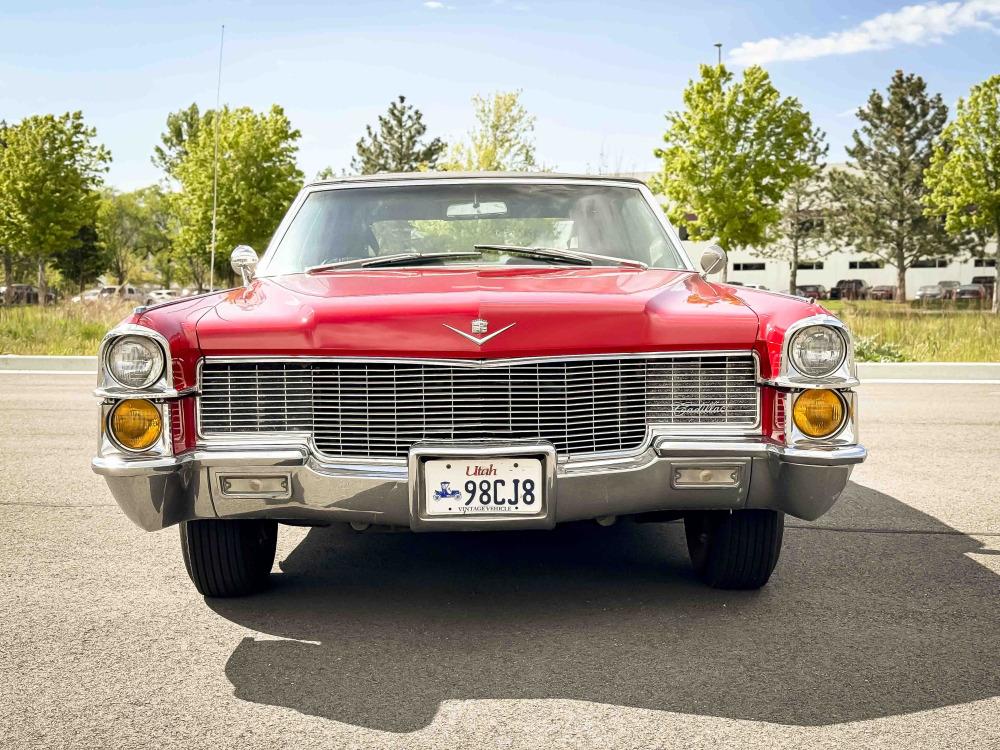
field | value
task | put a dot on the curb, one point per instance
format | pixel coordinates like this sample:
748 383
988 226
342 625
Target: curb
929 372
868 372
66 365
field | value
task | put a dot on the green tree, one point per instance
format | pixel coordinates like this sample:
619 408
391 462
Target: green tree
398 145
799 233
731 154
502 140
964 174
182 127
132 229
50 169
258 178
879 197
84 260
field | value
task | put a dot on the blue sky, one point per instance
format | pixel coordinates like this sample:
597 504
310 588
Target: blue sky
599 76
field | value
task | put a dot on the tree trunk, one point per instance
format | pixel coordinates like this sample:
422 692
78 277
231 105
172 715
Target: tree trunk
8 278
793 272
43 289
996 267
900 273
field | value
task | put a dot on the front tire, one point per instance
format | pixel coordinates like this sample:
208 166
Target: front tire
734 549
229 558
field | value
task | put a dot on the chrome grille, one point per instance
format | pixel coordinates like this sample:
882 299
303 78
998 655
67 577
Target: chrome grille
378 409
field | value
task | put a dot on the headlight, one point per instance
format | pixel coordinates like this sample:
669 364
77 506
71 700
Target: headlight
135 361
819 413
817 351
135 424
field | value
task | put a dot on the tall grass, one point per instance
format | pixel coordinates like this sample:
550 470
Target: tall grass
57 329
921 335
884 331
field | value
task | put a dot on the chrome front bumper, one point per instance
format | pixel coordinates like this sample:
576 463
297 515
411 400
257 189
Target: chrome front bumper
290 484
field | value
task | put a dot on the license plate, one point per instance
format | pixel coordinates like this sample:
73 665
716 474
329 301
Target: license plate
495 486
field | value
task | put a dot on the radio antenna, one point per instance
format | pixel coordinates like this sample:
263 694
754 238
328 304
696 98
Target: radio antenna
215 162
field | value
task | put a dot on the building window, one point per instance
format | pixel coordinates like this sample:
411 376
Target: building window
986 262
930 263
858 265
810 265
748 266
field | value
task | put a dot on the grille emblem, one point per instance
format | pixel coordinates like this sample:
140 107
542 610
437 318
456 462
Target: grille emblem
479 325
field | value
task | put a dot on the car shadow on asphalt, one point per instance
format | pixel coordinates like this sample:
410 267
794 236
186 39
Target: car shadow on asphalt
377 629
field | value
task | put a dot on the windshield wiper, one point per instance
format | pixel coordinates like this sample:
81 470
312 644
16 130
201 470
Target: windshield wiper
388 260
576 257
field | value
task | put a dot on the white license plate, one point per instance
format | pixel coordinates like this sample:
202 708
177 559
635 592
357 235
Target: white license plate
492 486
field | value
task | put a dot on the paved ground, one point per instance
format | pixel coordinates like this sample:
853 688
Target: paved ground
880 628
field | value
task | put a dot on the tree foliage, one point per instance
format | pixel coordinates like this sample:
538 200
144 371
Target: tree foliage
799 233
84 260
398 145
182 127
50 169
880 196
133 229
963 179
257 180
731 154
502 139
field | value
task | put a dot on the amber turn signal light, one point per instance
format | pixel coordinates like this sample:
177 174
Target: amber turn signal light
819 413
135 424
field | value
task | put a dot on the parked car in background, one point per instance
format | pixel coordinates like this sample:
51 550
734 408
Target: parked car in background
930 292
157 296
373 372
90 295
971 291
812 291
850 289
25 294
123 292
883 292
988 282
948 289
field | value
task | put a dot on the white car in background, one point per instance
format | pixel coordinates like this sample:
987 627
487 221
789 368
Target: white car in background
90 295
157 296
123 292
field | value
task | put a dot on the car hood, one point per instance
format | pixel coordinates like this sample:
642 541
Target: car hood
528 312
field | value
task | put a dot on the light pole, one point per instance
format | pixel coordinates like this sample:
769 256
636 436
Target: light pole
718 46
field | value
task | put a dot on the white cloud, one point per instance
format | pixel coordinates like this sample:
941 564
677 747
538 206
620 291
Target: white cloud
434 5
927 23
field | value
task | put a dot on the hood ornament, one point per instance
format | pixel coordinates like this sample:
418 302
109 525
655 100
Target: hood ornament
479 325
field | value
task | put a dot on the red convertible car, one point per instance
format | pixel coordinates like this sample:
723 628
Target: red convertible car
476 352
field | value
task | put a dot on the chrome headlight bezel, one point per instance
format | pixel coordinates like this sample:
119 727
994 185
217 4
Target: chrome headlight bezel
788 376
795 355
108 386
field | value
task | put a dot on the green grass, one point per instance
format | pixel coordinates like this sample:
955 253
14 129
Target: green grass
891 332
883 331
61 329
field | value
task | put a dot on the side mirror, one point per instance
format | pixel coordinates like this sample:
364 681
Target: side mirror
244 262
713 260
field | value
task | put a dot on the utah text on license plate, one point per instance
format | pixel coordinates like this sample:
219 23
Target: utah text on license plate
458 486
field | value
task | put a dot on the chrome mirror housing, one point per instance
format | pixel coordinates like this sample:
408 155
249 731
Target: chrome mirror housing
713 260
244 262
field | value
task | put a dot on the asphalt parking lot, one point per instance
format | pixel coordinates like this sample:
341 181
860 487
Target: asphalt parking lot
880 628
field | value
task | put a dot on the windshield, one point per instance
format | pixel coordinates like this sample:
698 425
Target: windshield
333 226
